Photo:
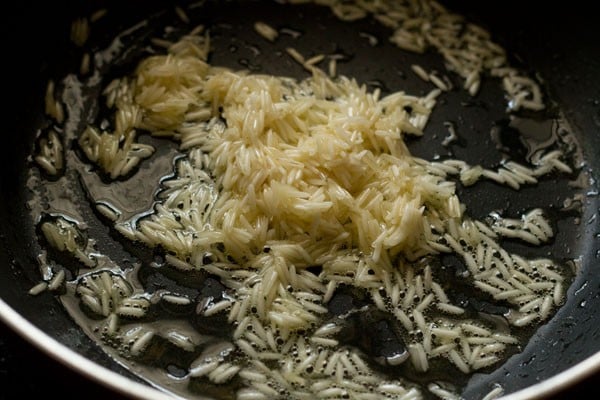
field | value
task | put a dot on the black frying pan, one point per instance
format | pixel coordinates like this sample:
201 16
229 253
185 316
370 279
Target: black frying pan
559 43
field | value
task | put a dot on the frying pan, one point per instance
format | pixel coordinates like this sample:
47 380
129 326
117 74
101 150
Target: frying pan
558 42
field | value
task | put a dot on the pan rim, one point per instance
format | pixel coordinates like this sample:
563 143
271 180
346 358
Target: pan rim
70 358
123 385
563 380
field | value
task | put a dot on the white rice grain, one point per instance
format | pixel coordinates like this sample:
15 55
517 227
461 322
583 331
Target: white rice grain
420 72
141 343
458 361
182 15
39 288
450 308
202 369
57 280
176 299
266 31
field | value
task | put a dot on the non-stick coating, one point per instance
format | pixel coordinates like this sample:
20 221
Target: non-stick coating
558 43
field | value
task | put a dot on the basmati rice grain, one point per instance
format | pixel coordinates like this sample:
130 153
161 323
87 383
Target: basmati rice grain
92 303
458 361
403 318
84 67
315 59
418 357
299 58
442 393
265 389
487 288
332 68
57 280
98 14
474 87
46 164
112 323
504 338
524 320
558 293
39 288
420 72
223 373
202 368
250 394
132 312
474 329
217 307
332 363
450 308
339 373
247 348
327 342
182 15
378 300
484 362
266 31
352 386
445 333
438 82
546 307
391 388
348 365
160 42
107 212
494 393
328 329
540 286
175 299
493 348
331 392
80 31
304 363
419 320
252 375
439 292
255 340
445 348
141 343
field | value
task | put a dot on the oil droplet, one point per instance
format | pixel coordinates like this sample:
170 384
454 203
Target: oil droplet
247 64
528 361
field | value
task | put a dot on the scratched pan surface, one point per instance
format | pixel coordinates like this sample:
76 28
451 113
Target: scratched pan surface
559 46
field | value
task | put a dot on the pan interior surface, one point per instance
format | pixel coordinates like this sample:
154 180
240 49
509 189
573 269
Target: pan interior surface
482 124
